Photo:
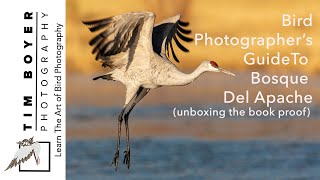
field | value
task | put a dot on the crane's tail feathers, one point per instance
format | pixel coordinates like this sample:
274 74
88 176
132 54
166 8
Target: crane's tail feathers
106 77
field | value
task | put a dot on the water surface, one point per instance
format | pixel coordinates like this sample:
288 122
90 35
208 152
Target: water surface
195 159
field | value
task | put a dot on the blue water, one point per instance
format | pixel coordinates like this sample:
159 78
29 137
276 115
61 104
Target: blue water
195 159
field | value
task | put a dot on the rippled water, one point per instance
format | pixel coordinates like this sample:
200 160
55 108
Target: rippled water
195 159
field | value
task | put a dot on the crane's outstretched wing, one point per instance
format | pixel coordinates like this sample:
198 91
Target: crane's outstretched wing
165 31
22 155
120 33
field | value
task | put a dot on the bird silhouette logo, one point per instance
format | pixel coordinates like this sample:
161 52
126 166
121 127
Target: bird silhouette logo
28 147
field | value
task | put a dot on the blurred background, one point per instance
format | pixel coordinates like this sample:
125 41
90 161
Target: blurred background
164 147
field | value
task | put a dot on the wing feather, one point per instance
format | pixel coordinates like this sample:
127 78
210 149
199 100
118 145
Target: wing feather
180 45
184 31
118 35
172 51
165 32
183 23
185 38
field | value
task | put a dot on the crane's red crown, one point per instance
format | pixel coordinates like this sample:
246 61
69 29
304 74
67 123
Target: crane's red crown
214 64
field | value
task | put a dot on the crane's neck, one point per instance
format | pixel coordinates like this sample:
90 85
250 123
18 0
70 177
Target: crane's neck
189 78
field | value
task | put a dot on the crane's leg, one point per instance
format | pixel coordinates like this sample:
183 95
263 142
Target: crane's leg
131 93
139 96
116 155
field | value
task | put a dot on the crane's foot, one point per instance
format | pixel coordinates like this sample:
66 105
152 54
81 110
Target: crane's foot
115 159
126 159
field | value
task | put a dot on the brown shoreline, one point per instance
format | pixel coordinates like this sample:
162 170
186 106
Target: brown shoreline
201 129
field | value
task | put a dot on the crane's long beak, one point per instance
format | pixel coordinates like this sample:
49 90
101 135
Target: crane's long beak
227 72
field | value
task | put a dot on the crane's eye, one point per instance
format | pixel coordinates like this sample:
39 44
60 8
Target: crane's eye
214 64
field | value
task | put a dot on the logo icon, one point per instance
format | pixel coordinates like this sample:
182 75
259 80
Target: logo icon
28 148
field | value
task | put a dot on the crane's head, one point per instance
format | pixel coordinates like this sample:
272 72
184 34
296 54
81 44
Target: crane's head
214 67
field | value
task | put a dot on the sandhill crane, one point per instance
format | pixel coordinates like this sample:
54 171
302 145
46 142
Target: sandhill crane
27 148
137 51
